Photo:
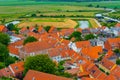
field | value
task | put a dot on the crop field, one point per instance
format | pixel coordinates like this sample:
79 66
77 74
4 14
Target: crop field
15 9
93 23
21 10
67 23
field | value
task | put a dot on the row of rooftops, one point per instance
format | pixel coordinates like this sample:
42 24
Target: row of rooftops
56 46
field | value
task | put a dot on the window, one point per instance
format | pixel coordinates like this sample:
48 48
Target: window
16 67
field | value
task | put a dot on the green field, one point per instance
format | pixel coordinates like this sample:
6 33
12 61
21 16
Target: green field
12 10
15 9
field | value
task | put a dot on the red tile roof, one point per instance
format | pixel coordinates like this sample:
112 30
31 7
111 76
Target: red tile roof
5 72
117 25
35 75
81 44
41 30
85 78
13 50
36 35
17 67
73 71
52 29
110 77
1 28
96 73
38 46
107 63
112 43
109 54
92 52
31 28
116 72
23 29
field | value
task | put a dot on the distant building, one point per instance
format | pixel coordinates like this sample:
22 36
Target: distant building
99 16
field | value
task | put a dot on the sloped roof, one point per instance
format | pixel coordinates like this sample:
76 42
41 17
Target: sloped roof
35 75
1 28
17 67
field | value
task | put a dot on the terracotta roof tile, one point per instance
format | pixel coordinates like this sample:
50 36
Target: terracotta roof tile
85 78
92 52
5 72
38 46
1 28
107 63
17 67
117 25
81 44
110 77
73 71
42 76
13 50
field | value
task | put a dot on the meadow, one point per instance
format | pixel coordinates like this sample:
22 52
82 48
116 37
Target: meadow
23 10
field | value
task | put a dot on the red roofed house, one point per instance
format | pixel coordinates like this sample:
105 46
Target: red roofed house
41 30
24 30
35 75
117 25
107 65
79 45
15 70
39 47
91 53
52 29
96 73
15 47
3 28
116 72
112 43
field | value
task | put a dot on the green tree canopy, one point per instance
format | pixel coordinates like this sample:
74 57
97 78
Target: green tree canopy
76 35
118 61
47 28
89 36
29 39
4 38
11 27
10 60
40 63
4 53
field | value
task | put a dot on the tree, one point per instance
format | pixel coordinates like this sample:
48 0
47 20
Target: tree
2 65
60 66
76 35
117 50
97 6
90 5
89 36
33 15
11 26
4 38
29 39
40 63
47 28
5 78
3 21
4 53
10 60
118 61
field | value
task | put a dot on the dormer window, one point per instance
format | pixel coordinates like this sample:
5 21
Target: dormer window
33 78
16 67
93 71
